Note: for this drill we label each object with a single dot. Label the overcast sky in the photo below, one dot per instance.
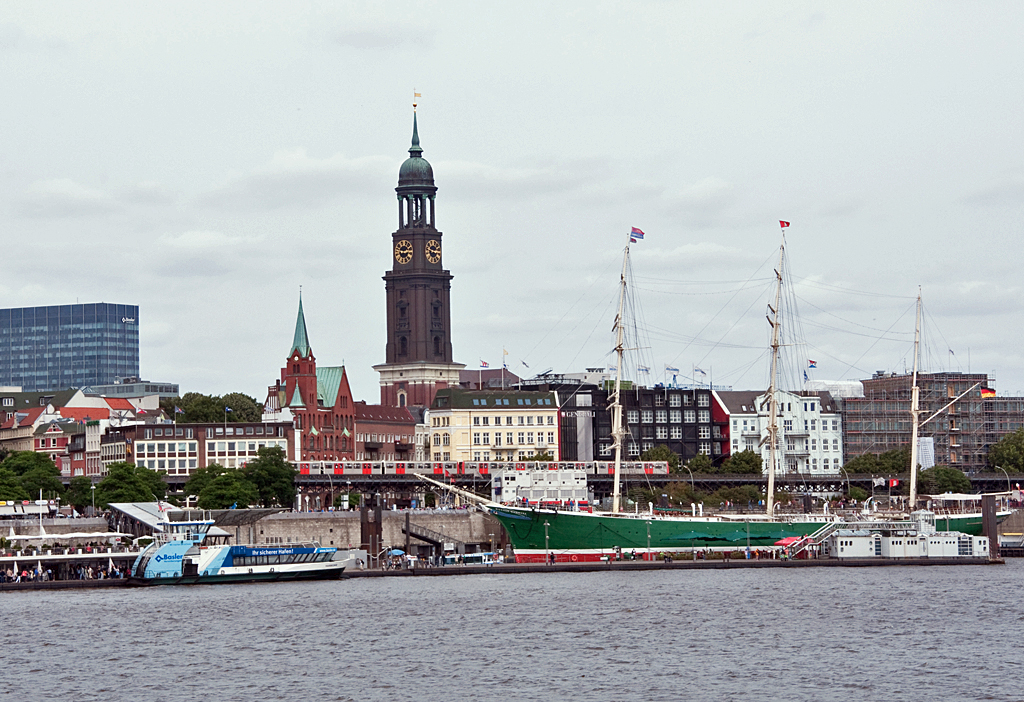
(204, 160)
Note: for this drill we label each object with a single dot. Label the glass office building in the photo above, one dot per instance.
(68, 346)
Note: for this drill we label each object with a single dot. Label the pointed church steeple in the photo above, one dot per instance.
(415, 149)
(300, 342)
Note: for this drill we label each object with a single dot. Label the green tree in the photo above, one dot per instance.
(243, 407)
(228, 489)
(894, 462)
(858, 494)
(79, 493)
(940, 479)
(127, 482)
(202, 477)
(272, 476)
(701, 464)
(197, 407)
(661, 452)
(10, 485)
(1008, 452)
(21, 462)
(744, 462)
(45, 478)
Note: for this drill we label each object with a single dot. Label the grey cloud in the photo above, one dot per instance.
(62, 197)
(293, 179)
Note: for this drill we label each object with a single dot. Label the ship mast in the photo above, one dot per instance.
(915, 409)
(773, 405)
(616, 406)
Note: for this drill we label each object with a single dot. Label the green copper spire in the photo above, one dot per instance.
(301, 341)
(415, 149)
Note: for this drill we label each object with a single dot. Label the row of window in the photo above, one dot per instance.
(187, 432)
(484, 438)
(522, 421)
(633, 448)
(503, 402)
(668, 416)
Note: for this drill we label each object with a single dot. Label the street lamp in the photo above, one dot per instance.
(847, 481)
(491, 537)
(692, 488)
(93, 488)
(547, 548)
(1007, 478)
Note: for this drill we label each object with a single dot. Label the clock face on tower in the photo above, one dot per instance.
(433, 251)
(403, 251)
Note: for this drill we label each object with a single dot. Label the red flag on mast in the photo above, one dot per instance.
(783, 224)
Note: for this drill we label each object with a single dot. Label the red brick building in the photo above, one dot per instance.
(320, 402)
(384, 433)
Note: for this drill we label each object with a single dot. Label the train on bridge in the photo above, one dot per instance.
(471, 468)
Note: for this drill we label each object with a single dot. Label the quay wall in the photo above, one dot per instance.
(342, 529)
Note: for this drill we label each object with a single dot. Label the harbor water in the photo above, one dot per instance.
(887, 633)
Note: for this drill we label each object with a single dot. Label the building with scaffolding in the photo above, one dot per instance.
(959, 413)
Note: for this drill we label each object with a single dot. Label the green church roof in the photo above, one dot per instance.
(328, 381)
(296, 399)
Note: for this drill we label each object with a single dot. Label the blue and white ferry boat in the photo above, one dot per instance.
(180, 556)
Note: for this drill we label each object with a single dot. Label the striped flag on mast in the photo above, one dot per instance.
(635, 234)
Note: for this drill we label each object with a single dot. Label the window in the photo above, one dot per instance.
(661, 416)
(529, 437)
(522, 421)
(659, 401)
(437, 439)
(790, 445)
(703, 416)
(675, 416)
(703, 432)
(813, 423)
(211, 447)
(529, 420)
(674, 401)
(835, 425)
(647, 416)
(487, 421)
(522, 438)
(632, 417)
(835, 444)
(476, 420)
(604, 450)
(551, 420)
(689, 416)
(446, 440)
(703, 400)
(687, 400)
(497, 438)
(814, 444)
(787, 424)
(551, 437)
(634, 449)
(661, 432)
(675, 432)
(705, 448)
(647, 445)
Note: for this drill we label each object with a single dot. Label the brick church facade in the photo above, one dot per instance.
(319, 399)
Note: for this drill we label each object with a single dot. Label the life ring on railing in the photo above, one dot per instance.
(572, 558)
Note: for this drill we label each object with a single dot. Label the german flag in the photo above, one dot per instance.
(987, 392)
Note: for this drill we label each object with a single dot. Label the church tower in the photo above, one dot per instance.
(419, 344)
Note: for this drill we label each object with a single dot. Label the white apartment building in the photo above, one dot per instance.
(810, 429)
